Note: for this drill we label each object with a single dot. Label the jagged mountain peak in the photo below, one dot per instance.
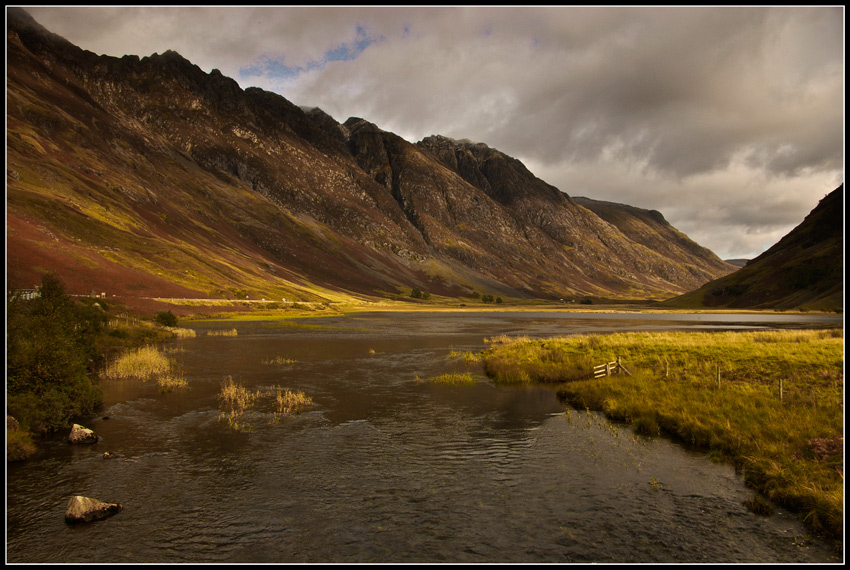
(152, 164)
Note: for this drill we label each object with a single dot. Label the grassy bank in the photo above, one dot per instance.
(769, 401)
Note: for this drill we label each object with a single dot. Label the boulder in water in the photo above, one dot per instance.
(86, 509)
(79, 434)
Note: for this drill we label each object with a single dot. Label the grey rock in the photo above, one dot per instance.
(80, 434)
(86, 509)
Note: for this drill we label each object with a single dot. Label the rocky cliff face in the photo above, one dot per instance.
(163, 180)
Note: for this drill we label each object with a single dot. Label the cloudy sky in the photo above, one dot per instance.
(728, 120)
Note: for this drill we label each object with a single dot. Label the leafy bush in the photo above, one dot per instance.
(166, 319)
(51, 349)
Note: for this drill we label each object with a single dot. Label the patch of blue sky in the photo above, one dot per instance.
(276, 68)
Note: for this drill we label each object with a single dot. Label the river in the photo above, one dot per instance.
(387, 466)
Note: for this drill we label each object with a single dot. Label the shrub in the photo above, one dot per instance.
(166, 319)
(19, 445)
(51, 349)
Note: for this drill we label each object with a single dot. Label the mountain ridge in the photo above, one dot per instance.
(154, 166)
(803, 270)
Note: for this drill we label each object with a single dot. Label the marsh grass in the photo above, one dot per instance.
(231, 332)
(719, 391)
(182, 332)
(289, 402)
(456, 378)
(148, 363)
(235, 400)
(468, 357)
(280, 360)
(143, 363)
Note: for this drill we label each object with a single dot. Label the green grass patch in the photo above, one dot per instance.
(454, 378)
(769, 401)
(468, 357)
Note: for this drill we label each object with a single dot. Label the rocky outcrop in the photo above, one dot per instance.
(86, 509)
(80, 434)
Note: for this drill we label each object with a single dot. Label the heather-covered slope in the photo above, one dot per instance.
(804, 270)
(149, 177)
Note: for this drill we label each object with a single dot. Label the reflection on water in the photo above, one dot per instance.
(387, 467)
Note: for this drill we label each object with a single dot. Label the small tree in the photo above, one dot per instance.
(416, 293)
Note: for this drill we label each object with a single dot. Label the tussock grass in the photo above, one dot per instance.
(456, 378)
(235, 400)
(148, 363)
(289, 402)
(468, 357)
(280, 360)
(231, 332)
(143, 363)
(720, 391)
(182, 332)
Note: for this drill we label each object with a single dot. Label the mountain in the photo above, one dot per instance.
(804, 270)
(147, 177)
(650, 229)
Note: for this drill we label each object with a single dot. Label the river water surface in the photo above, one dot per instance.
(387, 466)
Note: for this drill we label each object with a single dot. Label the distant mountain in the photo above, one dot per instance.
(737, 262)
(149, 177)
(804, 270)
(650, 229)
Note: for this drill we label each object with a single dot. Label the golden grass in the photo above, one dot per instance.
(182, 332)
(280, 360)
(148, 363)
(467, 356)
(289, 402)
(235, 400)
(231, 332)
(143, 363)
(456, 378)
(769, 401)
